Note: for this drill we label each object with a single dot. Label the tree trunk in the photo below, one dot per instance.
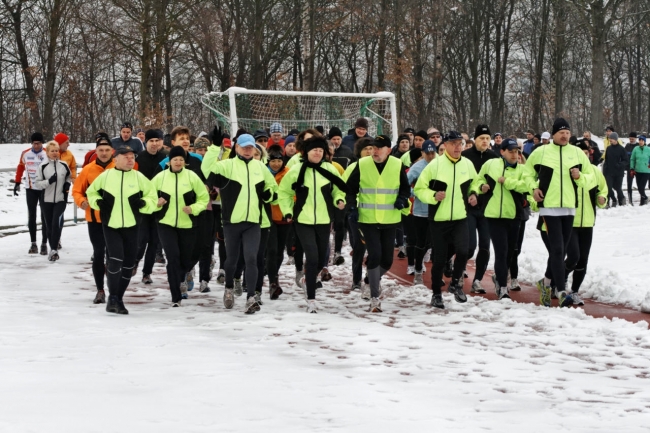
(598, 40)
(539, 67)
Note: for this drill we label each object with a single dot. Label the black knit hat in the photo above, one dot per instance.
(275, 152)
(560, 125)
(481, 130)
(37, 136)
(415, 154)
(361, 122)
(314, 143)
(422, 134)
(102, 138)
(334, 132)
(632, 134)
(177, 151)
(409, 130)
(153, 133)
(403, 137)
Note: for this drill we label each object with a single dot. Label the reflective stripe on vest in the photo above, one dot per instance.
(377, 193)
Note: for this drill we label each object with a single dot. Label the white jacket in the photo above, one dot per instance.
(58, 191)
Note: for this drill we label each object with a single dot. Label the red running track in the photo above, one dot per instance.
(528, 293)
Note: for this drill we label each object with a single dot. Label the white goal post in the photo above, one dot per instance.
(238, 107)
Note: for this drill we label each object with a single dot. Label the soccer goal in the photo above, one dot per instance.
(257, 109)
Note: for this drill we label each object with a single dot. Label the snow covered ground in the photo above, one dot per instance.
(68, 366)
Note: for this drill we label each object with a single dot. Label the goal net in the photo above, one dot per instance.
(258, 109)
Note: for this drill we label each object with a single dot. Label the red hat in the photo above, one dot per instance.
(61, 138)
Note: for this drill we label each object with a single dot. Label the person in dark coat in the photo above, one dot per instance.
(360, 131)
(614, 170)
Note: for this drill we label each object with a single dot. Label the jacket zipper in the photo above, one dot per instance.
(501, 205)
(56, 183)
(248, 191)
(314, 193)
(122, 197)
(177, 200)
(453, 193)
(561, 179)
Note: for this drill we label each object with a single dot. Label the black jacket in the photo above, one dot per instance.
(615, 160)
(478, 158)
(629, 147)
(350, 140)
(344, 152)
(149, 164)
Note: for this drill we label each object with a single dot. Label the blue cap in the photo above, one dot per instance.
(509, 144)
(428, 146)
(245, 140)
(642, 137)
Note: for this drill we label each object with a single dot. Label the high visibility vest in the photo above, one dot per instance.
(377, 193)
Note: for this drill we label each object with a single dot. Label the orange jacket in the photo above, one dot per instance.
(68, 158)
(86, 177)
(276, 213)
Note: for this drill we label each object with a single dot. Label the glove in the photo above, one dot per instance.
(632, 173)
(216, 137)
(17, 188)
(401, 203)
(354, 215)
(287, 217)
(52, 179)
(141, 204)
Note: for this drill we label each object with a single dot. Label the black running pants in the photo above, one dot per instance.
(504, 234)
(148, 241)
(52, 214)
(179, 245)
(578, 255)
(122, 248)
(96, 235)
(34, 199)
(314, 239)
(243, 235)
(476, 222)
(443, 235)
(558, 230)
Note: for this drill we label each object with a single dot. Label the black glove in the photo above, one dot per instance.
(16, 188)
(216, 136)
(287, 217)
(100, 203)
(354, 215)
(52, 179)
(141, 204)
(401, 203)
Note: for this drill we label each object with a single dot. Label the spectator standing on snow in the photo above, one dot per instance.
(444, 185)
(640, 167)
(54, 178)
(104, 161)
(583, 226)
(629, 147)
(342, 154)
(121, 195)
(614, 169)
(553, 173)
(276, 135)
(127, 140)
(27, 170)
(529, 143)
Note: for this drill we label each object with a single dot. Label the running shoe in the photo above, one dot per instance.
(410, 270)
(477, 287)
(312, 308)
(544, 293)
(228, 298)
(238, 290)
(417, 279)
(375, 306)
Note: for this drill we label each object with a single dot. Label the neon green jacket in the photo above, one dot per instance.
(121, 197)
(295, 159)
(454, 178)
(549, 169)
(588, 200)
(314, 202)
(211, 157)
(181, 189)
(503, 200)
(244, 187)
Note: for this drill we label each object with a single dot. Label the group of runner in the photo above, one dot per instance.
(260, 194)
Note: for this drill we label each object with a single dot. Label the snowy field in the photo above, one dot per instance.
(68, 366)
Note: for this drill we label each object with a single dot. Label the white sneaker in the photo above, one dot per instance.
(417, 279)
(577, 299)
(496, 284)
(410, 270)
(203, 288)
(299, 276)
(184, 289)
(477, 288)
(375, 305)
(238, 289)
(427, 256)
(365, 292)
(176, 304)
(228, 298)
(290, 261)
(503, 292)
(514, 285)
(221, 276)
(312, 307)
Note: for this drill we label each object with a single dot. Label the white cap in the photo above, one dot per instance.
(546, 135)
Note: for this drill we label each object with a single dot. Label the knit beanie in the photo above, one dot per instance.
(560, 125)
(481, 130)
(177, 151)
